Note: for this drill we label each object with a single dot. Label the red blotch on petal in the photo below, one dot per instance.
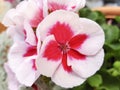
(62, 32)
(34, 64)
(37, 18)
(75, 54)
(64, 63)
(55, 6)
(32, 50)
(52, 51)
(77, 40)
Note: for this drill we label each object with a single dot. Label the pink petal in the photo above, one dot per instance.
(66, 79)
(69, 21)
(95, 37)
(49, 58)
(89, 66)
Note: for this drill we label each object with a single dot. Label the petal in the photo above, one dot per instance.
(30, 35)
(77, 40)
(35, 14)
(66, 79)
(13, 83)
(72, 5)
(95, 37)
(69, 20)
(12, 18)
(15, 55)
(29, 75)
(49, 57)
(16, 33)
(59, 30)
(89, 66)
(20, 64)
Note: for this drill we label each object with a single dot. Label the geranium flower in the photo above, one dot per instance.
(31, 10)
(22, 55)
(71, 48)
(72, 5)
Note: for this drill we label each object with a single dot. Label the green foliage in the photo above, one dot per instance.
(95, 81)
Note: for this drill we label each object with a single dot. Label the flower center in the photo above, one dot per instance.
(64, 47)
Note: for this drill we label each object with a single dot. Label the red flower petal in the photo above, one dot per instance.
(32, 50)
(62, 32)
(52, 51)
(75, 54)
(77, 40)
(64, 63)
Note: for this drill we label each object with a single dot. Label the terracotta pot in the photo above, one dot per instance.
(109, 11)
(2, 27)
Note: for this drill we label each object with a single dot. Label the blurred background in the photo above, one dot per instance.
(99, 3)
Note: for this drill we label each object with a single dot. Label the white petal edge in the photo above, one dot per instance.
(96, 37)
(65, 79)
(13, 83)
(25, 74)
(89, 66)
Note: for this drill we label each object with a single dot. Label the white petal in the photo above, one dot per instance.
(65, 79)
(95, 39)
(45, 66)
(70, 18)
(12, 18)
(25, 74)
(15, 55)
(89, 66)
(72, 5)
(30, 35)
(16, 33)
(13, 83)
(31, 10)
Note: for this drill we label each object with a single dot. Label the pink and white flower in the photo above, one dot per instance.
(22, 55)
(71, 49)
(31, 10)
(71, 5)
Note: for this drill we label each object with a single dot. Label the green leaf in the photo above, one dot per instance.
(112, 33)
(110, 82)
(116, 65)
(117, 19)
(95, 81)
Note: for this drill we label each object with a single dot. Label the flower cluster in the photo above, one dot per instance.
(50, 39)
